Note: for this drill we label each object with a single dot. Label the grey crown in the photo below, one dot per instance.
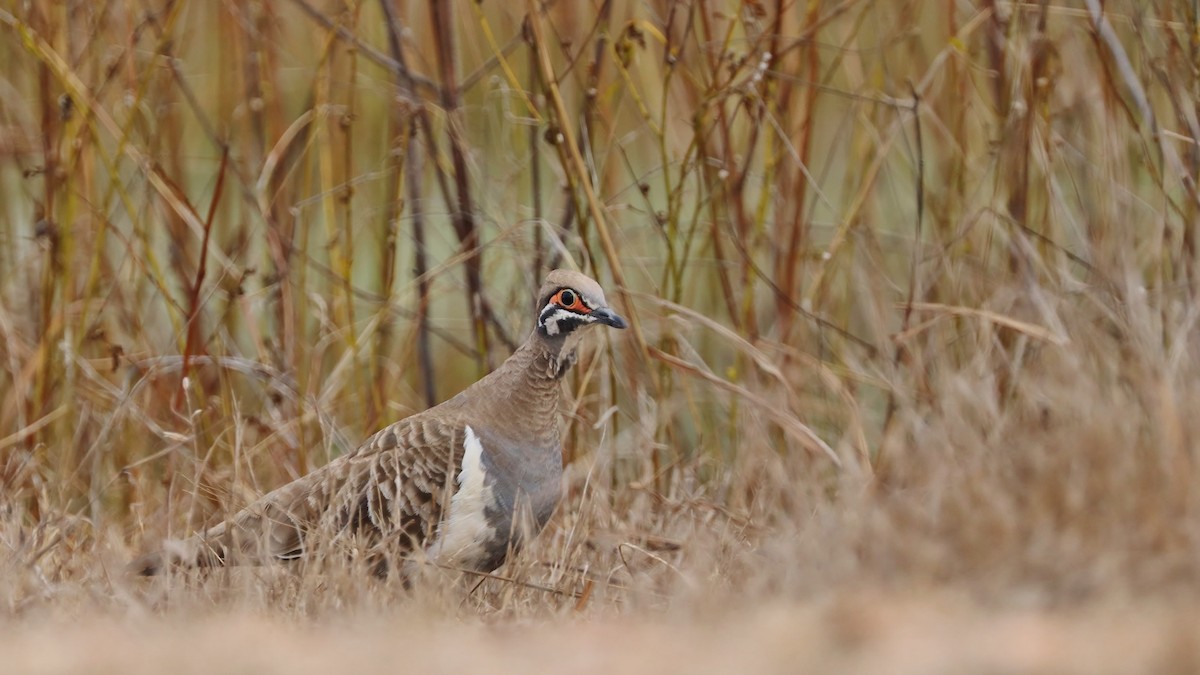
(451, 484)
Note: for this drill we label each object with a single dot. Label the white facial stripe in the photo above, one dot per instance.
(465, 531)
(551, 322)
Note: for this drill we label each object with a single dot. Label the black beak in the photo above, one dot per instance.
(608, 317)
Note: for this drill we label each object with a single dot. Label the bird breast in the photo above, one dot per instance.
(493, 507)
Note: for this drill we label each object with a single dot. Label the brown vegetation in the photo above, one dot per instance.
(912, 289)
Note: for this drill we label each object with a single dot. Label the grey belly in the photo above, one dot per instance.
(521, 506)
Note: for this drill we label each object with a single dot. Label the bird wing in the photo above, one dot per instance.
(386, 495)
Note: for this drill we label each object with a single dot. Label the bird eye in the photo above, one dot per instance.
(569, 299)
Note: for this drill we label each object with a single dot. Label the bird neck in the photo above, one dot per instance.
(540, 363)
(524, 393)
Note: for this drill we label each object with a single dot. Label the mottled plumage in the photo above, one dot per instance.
(406, 492)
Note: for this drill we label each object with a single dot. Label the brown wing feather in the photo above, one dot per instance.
(387, 494)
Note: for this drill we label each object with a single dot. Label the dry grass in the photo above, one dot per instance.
(913, 289)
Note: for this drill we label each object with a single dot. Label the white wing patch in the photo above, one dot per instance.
(463, 535)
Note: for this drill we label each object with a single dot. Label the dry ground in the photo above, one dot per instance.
(861, 633)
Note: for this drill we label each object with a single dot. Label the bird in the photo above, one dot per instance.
(459, 485)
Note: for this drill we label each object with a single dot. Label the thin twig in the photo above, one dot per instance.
(914, 277)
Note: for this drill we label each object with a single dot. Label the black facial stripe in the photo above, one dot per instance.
(556, 321)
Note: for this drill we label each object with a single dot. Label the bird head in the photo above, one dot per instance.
(570, 304)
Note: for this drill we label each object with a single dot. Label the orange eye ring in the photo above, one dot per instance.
(569, 299)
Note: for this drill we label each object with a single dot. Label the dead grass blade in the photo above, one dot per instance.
(1025, 328)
